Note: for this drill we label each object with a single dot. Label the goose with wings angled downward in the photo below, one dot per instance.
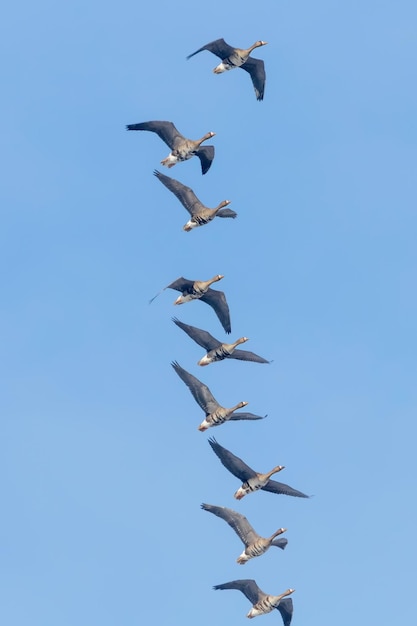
(238, 57)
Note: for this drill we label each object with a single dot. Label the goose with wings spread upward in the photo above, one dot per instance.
(251, 480)
(216, 350)
(182, 149)
(255, 545)
(262, 603)
(200, 214)
(237, 57)
(215, 413)
(200, 290)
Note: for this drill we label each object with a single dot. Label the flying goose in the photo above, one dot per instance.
(255, 545)
(182, 149)
(236, 57)
(252, 481)
(262, 603)
(215, 414)
(200, 214)
(200, 290)
(217, 351)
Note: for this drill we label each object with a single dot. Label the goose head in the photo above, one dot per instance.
(278, 532)
(222, 204)
(258, 44)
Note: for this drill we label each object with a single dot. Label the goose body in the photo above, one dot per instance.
(255, 545)
(262, 603)
(200, 214)
(215, 414)
(182, 148)
(251, 480)
(217, 351)
(200, 290)
(238, 57)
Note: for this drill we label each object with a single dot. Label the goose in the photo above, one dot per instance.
(255, 545)
(236, 57)
(262, 603)
(217, 351)
(200, 214)
(200, 290)
(215, 413)
(252, 481)
(182, 149)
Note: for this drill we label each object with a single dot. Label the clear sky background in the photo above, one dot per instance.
(102, 468)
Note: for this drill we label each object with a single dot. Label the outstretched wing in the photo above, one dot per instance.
(201, 393)
(233, 463)
(245, 416)
(181, 284)
(202, 337)
(246, 355)
(217, 300)
(273, 486)
(206, 156)
(166, 131)
(246, 586)
(226, 213)
(280, 543)
(256, 69)
(219, 47)
(184, 194)
(285, 607)
(237, 521)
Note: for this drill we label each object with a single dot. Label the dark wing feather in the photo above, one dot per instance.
(246, 355)
(256, 69)
(273, 486)
(245, 416)
(219, 47)
(231, 462)
(206, 156)
(246, 586)
(237, 521)
(184, 194)
(201, 393)
(280, 543)
(166, 131)
(202, 337)
(181, 284)
(226, 213)
(285, 607)
(217, 300)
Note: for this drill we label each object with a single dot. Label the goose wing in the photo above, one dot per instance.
(226, 213)
(201, 393)
(245, 416)
(280, 543)
(237, 521)
(273, 486)
(206, 156)
(182, 284)
(184, 194)
(246, 355)
(231, 462)
(202, 337)
(256, 69)
(286, 608)
(246, 586)
(166, 131)
(217, 300)
(219, 47)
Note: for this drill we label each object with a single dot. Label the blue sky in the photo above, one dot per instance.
(103, 467)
